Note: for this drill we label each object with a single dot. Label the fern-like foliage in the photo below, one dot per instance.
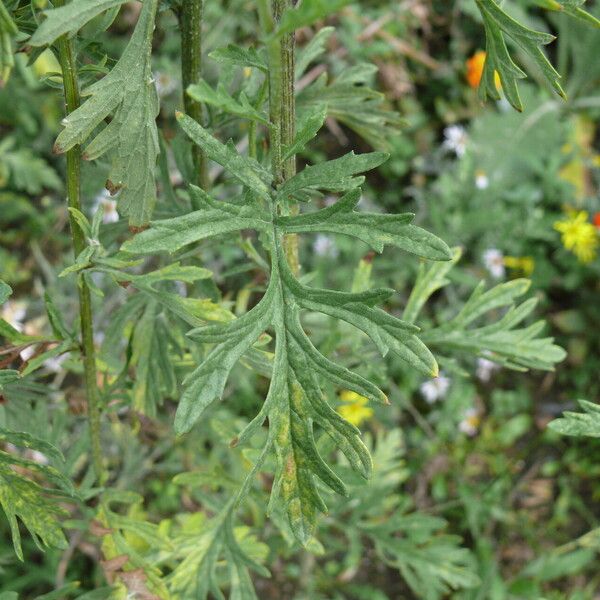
(69, 19)
(573, 8)
(201, 546)
(127, 95)
(295, 402)
(582, 424)
(502, 341)
(497, 25)
(22, 497)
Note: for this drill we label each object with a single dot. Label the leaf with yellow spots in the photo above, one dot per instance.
(295, 403)
(23, 498)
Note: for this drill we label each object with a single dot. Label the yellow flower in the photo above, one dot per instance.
(524, 264)
(355, 410)
(580, 147)
(579, 235)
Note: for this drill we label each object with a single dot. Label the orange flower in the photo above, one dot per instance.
(597, 220)
(475, 66)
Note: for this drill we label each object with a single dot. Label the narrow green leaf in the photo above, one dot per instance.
(216, 218)
(221, 99)
(24, 499)
(129, 94)
(307, 13)
(431, 278)
(69, 19)
(377, 230)
(333, 175)
(586, 423)
(497, 24)
(249, 172)
(244, 57)
(5, 292)
(307, 131)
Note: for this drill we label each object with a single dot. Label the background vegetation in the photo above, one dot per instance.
(473, 495)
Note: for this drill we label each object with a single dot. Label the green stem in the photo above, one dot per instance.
(73, 101)
(282, 107)
(190, 22)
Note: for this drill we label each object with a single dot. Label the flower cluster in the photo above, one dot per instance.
(435, 389)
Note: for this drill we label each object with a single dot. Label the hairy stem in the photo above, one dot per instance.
(72, 102)
(190, 22)
(282, 105)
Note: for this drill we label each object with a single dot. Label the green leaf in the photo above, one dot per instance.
(57, 323)
(586, 423)
(244, 57)
(8, 31)
(5, 292)
(207, 382)
(8, 376)
(307, 13)
(377, 230)
(134, 540)
(333, 175)
(518, 348)
(24, 499)
(129, 94)
(498, 24)
(294, 402)
(69, 19)
(351, 101)
(430, 279)
(311, 51)
(220, 98)
(28, 172)
(307, 131)
(215, 218)
(249, 172)
(432, 563)
(571, 8)
(203, 544)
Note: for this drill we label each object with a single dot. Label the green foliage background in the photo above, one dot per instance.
(206, 333)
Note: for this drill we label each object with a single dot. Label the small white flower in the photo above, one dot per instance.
(435, 389)
(175, 177)
(13, 312)
(109, 206)
(486, 368)
(493, 260)
(482, 181)
(36, 456)
(470, 422)
(27, 353)
(324, 245)
(165, 83)
(54, 364)
(456, 139)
